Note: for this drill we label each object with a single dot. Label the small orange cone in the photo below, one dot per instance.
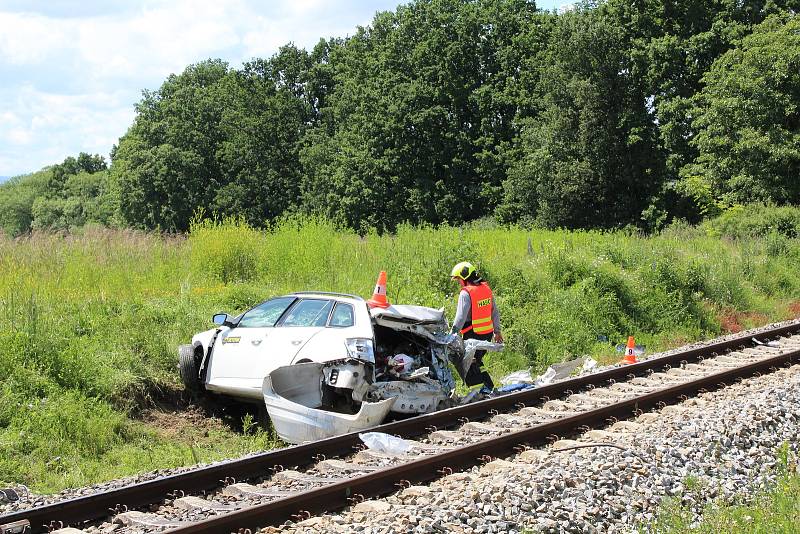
(630, 357)
(379, 299)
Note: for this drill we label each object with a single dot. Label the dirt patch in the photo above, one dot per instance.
(730, 323)
(184, 425)
(734, 322)
(794, 309)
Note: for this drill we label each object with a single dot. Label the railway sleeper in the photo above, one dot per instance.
(559, 406)
(142, 519)
(484, 428)
(449, 436)
(602, 397)
(533, 411)
(192, 503)
(369, 457)
(602, 435)
(612, 394)
(514, 419)
(630, 426)
(737, 359)
(637, 388)
(566, 444)
(710, 365)
(290, 475)
(244, 490)
(664, 376)
(532, 455)
(341, 466)
(693, 370)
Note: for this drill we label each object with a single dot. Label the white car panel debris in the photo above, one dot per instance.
(293, 395)
(325, 363)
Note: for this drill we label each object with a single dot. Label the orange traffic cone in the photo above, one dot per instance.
(630, 356)
(379, 299)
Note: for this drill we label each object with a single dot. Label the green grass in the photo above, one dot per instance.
(92, 320)
(772, 511)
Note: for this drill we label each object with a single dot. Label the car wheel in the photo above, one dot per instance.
(188, 367)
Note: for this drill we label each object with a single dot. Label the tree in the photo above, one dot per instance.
(16, 201)
(591, 158)
(673, 44)
(747, 119)
(166, 165)
(217, 140)
(421, 109)
(262, 130)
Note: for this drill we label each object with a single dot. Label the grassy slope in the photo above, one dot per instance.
(92, 320)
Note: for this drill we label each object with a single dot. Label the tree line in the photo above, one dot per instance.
(445, 111)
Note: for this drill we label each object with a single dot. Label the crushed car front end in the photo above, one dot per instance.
(401, 369)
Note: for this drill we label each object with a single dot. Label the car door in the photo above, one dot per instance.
(238, 361)
(266, 337)
(305, 319)
(331, 343)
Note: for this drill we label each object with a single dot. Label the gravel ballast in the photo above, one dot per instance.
(723, 445)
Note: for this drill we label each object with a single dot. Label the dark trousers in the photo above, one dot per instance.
(475, 375)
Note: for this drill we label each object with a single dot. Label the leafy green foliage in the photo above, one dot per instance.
(422, 105)
(590, 159)
(610, 115)
(61, 197)
(743, 222)
(165, 166)
(747, 117)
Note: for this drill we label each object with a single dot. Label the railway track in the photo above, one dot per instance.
(296, 482)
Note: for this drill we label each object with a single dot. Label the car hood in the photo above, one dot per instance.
(409, 314)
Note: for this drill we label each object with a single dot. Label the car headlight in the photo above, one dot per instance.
(361, 349)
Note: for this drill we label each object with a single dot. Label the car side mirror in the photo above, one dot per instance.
(221, 319)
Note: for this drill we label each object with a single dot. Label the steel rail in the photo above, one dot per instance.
(80, 510)
(342, 494)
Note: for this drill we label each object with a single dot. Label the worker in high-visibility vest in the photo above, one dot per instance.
(476, 317)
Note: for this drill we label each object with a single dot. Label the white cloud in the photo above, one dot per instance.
(29, 38)
(43, 128)
(70, 73)
(566, 8)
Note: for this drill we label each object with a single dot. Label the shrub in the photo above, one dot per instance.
(228, 249)
(756, 220)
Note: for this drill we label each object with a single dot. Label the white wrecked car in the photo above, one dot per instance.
(326, 363)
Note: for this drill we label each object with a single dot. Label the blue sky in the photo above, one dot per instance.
(70, 71)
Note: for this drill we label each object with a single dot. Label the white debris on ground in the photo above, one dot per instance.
(719, 446)
(386, 443)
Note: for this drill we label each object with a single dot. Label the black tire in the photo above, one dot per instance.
(187, 364)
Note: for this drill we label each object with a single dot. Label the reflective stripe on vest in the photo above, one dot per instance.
(480, 297)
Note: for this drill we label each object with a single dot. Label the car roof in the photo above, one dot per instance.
(327, 294)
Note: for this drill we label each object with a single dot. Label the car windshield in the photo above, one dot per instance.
(265, 314)
(308, 312)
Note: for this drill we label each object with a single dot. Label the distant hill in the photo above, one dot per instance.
(4, 178)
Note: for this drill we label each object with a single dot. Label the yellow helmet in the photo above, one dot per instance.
(462, 270)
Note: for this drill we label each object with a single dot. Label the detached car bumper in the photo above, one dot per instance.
(293, 397)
